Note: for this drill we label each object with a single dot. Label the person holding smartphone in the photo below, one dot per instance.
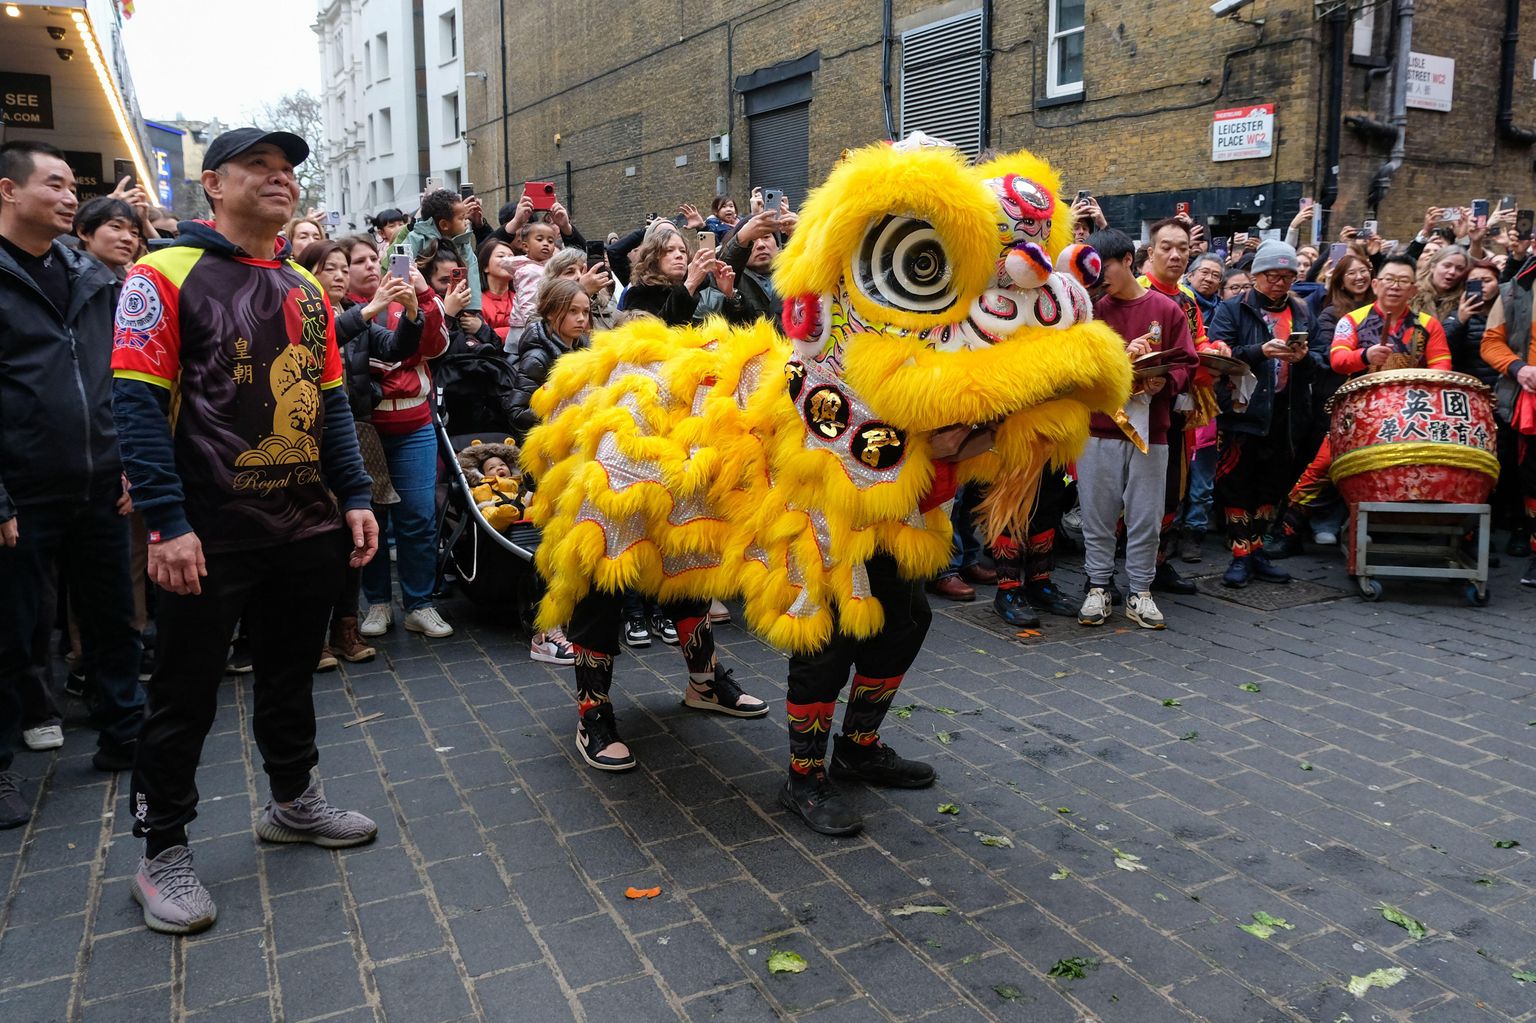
(444, 223)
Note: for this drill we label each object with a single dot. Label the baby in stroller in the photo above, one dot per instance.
(495, 482)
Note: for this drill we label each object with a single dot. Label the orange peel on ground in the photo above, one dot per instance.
(641, 893)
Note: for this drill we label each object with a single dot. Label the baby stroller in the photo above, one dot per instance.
(474, 390)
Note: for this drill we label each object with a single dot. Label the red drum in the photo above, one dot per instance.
(1413, 435)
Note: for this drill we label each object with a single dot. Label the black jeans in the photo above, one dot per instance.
(283, 595)
(89, 542)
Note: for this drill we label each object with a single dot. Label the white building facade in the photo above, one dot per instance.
(392, 77)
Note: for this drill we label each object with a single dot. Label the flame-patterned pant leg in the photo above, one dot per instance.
(594, 633)
(695, 637)
(1253, 477)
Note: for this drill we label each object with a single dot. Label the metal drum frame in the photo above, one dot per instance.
(1400, 542)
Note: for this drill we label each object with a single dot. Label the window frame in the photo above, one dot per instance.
(1054, 87)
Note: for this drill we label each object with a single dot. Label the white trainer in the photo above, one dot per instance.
(1142, 610)
(719, 614)
(378, 620)
(428, 622)
(1095, 609)
(43, 737)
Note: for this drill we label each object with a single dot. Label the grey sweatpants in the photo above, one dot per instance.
(1113, 478)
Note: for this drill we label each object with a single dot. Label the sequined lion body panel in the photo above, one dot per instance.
(714, 461)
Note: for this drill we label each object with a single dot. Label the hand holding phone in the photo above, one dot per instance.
(1367, 230)
(1337, 251)
(400, 263)
(541, 194)
(772, 197)
(1181, 209)
(466, 190)
(457, 275)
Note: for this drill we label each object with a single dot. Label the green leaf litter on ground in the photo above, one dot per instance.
(1160, 897)
(786, 962)
(968, 960)
(1063, 809)
(1061, 874)
(1358, 986)
(1172, 703)
(1257, 930)
(1125, 861)
(933, 944)
(905, 712)
(1486, 882)
(1524, 976)
(911, 910)
(1250, 687)
(1007, 992)
(946, 710)
(995, 841)
(1075, 968)
(1306, 766)
(1264, 925)
(944, 737)
(1187, 736)
(1415, 929)
(948, 808)
(1505, 843)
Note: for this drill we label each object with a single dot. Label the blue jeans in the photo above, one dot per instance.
(412, 459)
(1202, 488)
(88, 540)
(962, 519)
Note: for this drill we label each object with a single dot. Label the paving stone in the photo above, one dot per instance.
(590, 951)
(319, 981)
(308, 918)
(467, 884)
(380, 873)
(427, 989)
(45, 894)
(894, 978)
(691, 958)
(36, 952)
(252, 1010)
(639, 1000)
(399, 927)
(150, 1006)
(126, 962)
(493, 939)
(744, 1004)
(225, 970)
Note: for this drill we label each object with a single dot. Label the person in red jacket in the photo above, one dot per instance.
(403, 419)
(1386, 334)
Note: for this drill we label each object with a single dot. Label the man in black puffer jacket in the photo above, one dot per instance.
(61, 483)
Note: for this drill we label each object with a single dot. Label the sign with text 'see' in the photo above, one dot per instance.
(27, 100)
(1431, 81)
(1243, 133)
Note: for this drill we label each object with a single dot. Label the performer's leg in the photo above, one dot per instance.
(880, 663)
(815, 679)
(710, 687)
(1040, 549)
(594, 637)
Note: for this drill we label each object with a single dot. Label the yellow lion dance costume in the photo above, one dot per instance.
(920, 292)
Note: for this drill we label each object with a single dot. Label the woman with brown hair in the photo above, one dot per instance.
(666, 283)
(495, 258)
(1440, 287)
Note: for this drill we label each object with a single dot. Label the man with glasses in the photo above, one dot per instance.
(1385, 334)
(1236, 284)
(1263, 445)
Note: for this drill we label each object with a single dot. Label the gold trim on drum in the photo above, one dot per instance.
(1404, 376)
(1393, 456)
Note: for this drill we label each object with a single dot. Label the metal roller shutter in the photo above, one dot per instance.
(941, 81)
(779, 150)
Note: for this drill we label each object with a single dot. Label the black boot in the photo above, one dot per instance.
(1169, 581)
(878, 764)
(1283, 545)
(1266, 571)
(1043, 595)
(816, 801)
(1189, 546)
(1012, 608)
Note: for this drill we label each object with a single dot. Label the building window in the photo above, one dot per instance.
(779, 150)
(1064, 64)
(389, 191)
(368, 61)
(452, 128)
(385, 142)
(381, 55)
(448, 36)
(372, 138)
(941, 81)
(451, 179)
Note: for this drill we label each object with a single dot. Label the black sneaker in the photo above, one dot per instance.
(14, 809)
(817, 802)
(636, 634)
(724, 695)
(1529, 579)
(878, 764)
(1043, 595)
(1012, 608)
(595, 733)
(662, 627)
(1266, 571)
(239, 662)
(74, 685)
(1168, 580)
(1283, 546)
(114, 758)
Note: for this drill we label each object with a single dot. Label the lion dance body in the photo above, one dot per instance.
(920, 292)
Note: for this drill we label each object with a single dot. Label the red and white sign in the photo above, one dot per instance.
(1431, 81)
(1243, 133)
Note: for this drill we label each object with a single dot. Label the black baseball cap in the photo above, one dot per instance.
(237, 140)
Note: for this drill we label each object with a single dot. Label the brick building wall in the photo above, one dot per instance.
(631, 88)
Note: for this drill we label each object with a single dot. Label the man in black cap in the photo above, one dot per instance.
(237, 490)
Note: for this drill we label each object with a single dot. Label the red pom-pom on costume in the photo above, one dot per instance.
(802, 317)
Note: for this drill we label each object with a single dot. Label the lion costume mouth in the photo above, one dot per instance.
(923, 293)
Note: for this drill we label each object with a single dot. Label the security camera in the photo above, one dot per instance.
(56, 33)
(65, 53)
(1222, 8)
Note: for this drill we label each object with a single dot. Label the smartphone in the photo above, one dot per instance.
(1297, 340)
(1239, 239)
(771, 198)
(430, 186)
(1306, 202)
(400, 262)
(1449, 214)
(457, 275)
(1480, 212)
(1525, 222)
(541, 193)
(124, 169)
(1368, 230)
(1507, 203)
(1181, 209)
(597, 253)
(466, 190)
(333, 218)
(707, 240)
(1337, 251)
(1083, 193)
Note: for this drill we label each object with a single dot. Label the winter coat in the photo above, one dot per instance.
(363, 342)
(537, 351)
(57, 438)
(425, 232)
(1240, 323)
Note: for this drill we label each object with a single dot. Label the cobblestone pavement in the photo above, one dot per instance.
(1312, 763)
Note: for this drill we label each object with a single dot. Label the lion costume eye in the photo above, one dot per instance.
(902, 263)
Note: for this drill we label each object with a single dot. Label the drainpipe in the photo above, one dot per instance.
(1382, 182)
(885, 67)
(1506, 119)
(1338, 28)
(986, 74)
(506, 146)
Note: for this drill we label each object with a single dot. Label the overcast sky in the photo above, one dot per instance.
(265, 49)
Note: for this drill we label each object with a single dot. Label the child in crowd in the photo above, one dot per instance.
(495, 482)
(466, 328)
(535, 243)
(444, 226)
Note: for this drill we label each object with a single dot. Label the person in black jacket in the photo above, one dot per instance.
(61, 482)
(363, 341)
(564, 312)
(666, 281)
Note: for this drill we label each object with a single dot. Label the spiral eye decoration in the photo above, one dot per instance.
(902, 263)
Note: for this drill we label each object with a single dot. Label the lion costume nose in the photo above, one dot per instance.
(1027, 266)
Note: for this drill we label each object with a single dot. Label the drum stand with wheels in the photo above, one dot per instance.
(1398, 539)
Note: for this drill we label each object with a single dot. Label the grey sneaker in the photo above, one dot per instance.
(311, 819)
(174, 900)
